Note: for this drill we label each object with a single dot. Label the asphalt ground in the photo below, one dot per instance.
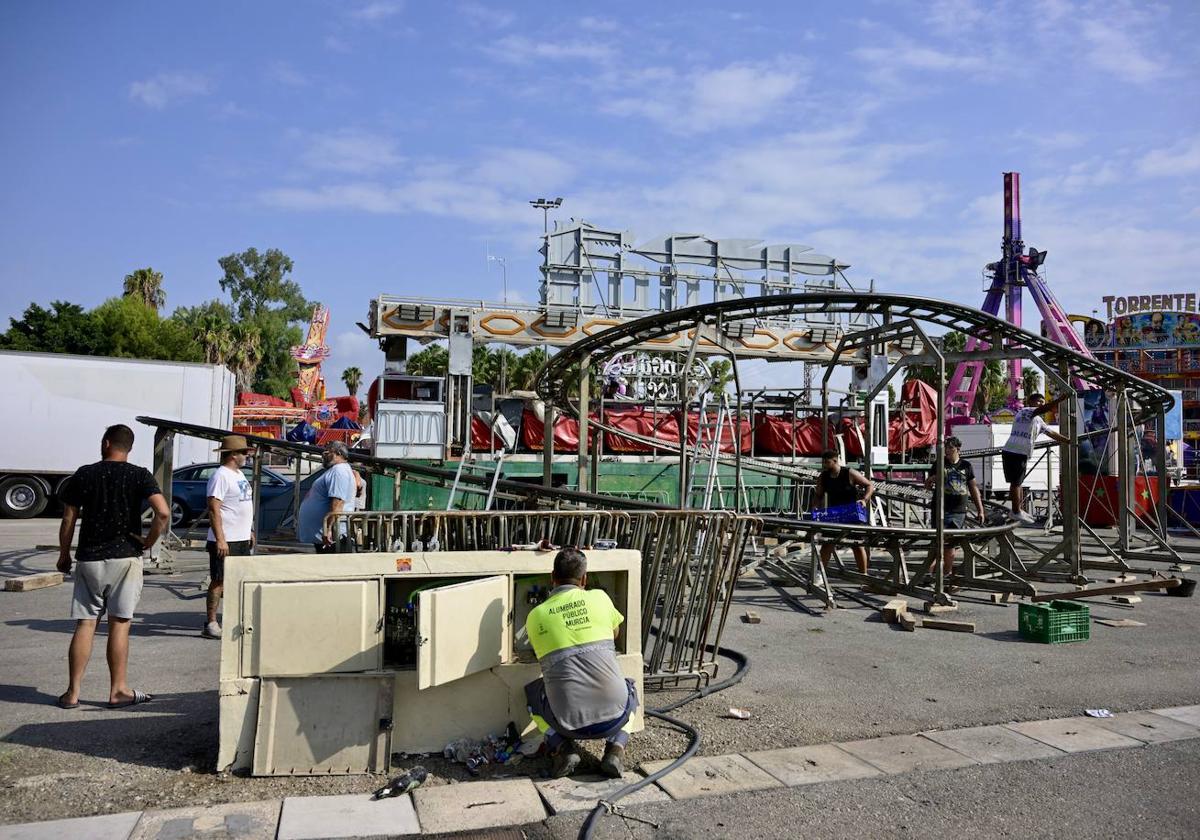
(815, 677)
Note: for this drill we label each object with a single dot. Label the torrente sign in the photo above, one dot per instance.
(1119, 305)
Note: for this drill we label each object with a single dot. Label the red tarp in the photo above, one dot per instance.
(727, 432)
(916, 419)
(773, 435)
(479, 437)
(639, 421)
(533, 430)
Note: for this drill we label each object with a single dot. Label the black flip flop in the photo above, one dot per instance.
(64, 705)
(138, 698)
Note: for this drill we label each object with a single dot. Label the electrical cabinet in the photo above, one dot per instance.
(331, 662)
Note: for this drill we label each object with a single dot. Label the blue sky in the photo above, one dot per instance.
(385, 145)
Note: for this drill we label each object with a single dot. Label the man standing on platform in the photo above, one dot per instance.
(1026, 427)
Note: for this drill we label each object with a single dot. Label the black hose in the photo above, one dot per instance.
(743, 668)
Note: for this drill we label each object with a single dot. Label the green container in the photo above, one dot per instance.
(1055, 623)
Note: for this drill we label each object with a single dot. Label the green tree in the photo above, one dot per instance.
(266, 299)
(434, 360)
(722, 375)
(146, 285)
(211, 326)
(246, 353)
(133, 330)
(352, 377)
(523, 377)
(63, 328)
(954, 342)
(1031, 381)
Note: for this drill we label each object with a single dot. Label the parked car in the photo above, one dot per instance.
(189, 484)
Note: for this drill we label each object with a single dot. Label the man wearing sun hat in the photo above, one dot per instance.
(231, 521)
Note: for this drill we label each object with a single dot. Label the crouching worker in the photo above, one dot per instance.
(582, 694)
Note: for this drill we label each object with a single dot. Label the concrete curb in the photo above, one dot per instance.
(497, 804)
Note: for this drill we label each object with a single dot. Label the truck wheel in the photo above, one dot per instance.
(22, 497)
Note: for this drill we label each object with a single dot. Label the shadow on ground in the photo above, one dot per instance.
(172, 731)
(151, 624)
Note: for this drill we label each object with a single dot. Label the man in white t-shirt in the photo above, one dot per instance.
(231, 517)
(1027, 426)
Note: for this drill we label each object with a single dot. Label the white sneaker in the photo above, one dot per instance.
(1022, 516)
(212, 630)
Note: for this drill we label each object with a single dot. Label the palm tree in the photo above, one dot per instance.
(146, 285)
(352, 376)
(1031, 382)
(245, 355)
(523, 375)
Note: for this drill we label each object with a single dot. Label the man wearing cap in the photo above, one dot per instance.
(1026, 427)
(231, 522)
(332, 492)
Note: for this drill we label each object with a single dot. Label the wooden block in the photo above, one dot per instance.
(908, 621)
(28, 583)
(751, 617)
(1120, 622)
(937, 609)
(998, 597)
(1123, 579)
(893, 608)
(1128, 600)
(947, 624)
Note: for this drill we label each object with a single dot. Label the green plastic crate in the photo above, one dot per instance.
(1055, 623)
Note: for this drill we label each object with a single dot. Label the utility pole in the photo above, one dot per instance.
(546, 205)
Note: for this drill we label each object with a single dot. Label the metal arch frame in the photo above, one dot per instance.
(1060, 364)
(553, 380)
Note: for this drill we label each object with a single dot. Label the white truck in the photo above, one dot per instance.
(59, 406)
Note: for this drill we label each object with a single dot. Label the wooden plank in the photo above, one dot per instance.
(947, 624)
(751, 617)
(931, 608)
(1127, 600)
(27, 583)
(1146, 585)
(893, 608)
(1119, 622)
(908, 621)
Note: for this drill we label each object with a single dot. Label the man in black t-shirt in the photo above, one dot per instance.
(959, 486)
(109, 496)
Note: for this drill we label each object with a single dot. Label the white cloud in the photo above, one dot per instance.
(351, 151)
(904, 54)
(1112, 46)
(161, 90)
(597, 24)
(518, 49)
(1183, 158)
(483, 16)
(285, 73)
(351, 348)
(377, 11)
(737, 94)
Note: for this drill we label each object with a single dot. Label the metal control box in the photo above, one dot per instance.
(329, 663)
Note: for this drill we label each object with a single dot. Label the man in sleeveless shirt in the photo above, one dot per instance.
(582, 694)
(839, 485)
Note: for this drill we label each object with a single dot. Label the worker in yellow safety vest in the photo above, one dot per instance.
(582, 694)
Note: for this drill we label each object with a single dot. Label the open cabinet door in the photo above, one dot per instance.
(462, 629)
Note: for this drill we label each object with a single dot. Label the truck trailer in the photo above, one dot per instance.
(61, 405)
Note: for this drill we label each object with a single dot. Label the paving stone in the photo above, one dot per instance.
(232, 821)
(103, 827)
(352, 815)
(581, 793)
(993, 744)
(712, 776)
(808, 765)
(906, 753)
(476, 805)
(1073, 734)
(1187, 714)
(1148, 726)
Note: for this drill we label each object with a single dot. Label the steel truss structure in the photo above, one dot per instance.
(901, 340)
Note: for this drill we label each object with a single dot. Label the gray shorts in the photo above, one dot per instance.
(112, 584)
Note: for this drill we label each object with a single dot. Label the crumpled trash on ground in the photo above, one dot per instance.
(403, 783)
(737, 714)
(1098, 713)
(493, 749)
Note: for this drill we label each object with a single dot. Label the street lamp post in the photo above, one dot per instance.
(503, 350)
(546, 205)
(503, 272)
